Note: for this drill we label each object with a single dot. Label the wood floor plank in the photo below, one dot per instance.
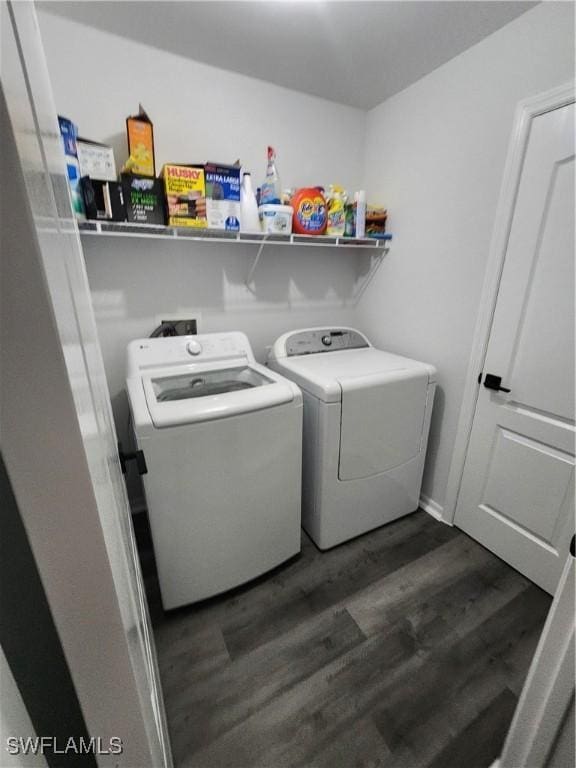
(386, 651)
(200, 712)
(309, 715)
(288, 583)
(188, 656)
(457, 678)
(295, 726)
(340, 574)
(359, 746)
(376, 606)
(486, 732)
(242, 696)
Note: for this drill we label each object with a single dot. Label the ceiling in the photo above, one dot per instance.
(352, 52)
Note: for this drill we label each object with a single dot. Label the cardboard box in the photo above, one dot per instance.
(144, 199)
(185, 195)
(69, 134)
(96, 160)
(103, 199)
(140, 145)
(222, 196)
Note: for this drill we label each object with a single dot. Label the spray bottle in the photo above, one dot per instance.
(271, 191)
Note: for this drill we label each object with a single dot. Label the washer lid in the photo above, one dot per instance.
(327, 375)
(176, 396)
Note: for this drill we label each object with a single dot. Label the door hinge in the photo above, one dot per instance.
(137, 456)
(493, 382)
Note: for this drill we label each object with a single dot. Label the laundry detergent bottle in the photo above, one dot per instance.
(309, 206)
(336, 215)
(271, 191)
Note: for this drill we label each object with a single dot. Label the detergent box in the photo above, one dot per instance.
(69, 134)
(222, 196)
(144, 198)
(140, 145)
(96, 160)
(103, 199)
(185, 192)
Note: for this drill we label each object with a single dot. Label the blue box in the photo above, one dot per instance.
(69, 134)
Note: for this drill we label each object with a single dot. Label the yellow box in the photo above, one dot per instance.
(185, 191)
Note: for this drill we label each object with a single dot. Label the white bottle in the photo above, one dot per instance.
(249, 219)
(360, 198)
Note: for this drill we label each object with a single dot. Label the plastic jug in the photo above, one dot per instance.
(249, 219)
(309, 206)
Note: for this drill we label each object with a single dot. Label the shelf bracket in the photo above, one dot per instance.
(254, 265)
(376, 262)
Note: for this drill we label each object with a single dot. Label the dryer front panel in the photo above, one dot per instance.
(382, 425)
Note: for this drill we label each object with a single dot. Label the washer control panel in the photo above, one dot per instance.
(187, 350)
(324, 340)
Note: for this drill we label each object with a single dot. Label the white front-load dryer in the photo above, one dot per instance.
(366, 422)
(222, 439)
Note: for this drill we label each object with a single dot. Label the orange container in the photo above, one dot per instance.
(309, 206)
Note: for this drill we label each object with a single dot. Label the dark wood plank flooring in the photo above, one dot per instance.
(406, 647)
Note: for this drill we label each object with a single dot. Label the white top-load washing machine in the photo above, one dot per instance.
(366, 422)
(222, 439)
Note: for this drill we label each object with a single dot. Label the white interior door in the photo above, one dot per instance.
(542, 730)
(53, 232)
(517, 491)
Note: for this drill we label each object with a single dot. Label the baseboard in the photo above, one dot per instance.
(433, 508)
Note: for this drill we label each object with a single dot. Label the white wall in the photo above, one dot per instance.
(199, 112)
(202, 113)
(435, 155)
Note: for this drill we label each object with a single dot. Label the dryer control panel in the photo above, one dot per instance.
(317, 340)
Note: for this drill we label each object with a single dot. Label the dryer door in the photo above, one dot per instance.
(382, 421)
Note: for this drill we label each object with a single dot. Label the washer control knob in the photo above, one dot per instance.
(193, 347)
(327, 341)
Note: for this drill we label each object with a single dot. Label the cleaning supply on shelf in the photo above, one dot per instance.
(376, 221)
(276, 219)
(140, 133)
(270, 191)
(222, 196)
(144, 199)
(103, 200)
(350, 219)
(96, 160)
(360, 200)
(335, 213)
(309, 206)
(249, 219)
(185, 192)
(69, 134)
